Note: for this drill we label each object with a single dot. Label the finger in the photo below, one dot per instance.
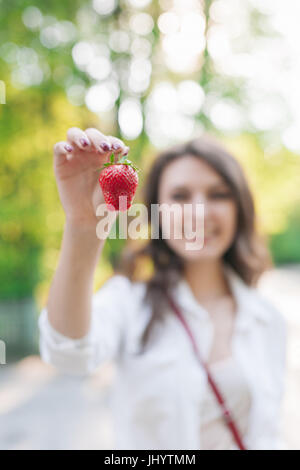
(118, 145)
(62, 151)
(79, 138)
(99, 141)
(126, 150)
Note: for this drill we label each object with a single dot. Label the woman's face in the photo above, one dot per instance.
(192, 182)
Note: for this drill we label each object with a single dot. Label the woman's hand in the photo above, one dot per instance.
(76, 167)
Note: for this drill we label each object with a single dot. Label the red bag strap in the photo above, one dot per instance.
(226, 413)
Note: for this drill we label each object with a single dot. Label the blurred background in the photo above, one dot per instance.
(151, 73)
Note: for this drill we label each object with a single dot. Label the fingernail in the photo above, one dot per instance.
(126, 151)
(105, 146)
(84, 142)
(116, 146)
(68, 148)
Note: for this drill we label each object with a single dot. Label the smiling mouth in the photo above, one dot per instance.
(207, 237)
(210, 236)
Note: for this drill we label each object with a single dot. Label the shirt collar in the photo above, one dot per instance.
(249, 301)
(249, 305)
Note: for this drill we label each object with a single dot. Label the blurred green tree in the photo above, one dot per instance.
(82, 63)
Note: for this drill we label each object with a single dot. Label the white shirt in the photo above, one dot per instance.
(235, 389)
(157, 397)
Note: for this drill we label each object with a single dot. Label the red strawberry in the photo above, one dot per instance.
(118, 179)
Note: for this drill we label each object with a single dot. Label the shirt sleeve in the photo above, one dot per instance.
(280, 340)
(109, 317)
(273, 438)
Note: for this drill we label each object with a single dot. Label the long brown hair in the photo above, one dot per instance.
(248, 254)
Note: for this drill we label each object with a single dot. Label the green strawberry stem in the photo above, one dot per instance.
(123, 161)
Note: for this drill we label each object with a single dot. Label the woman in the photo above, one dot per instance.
(162, 398)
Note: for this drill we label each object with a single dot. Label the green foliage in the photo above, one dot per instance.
(35, 117)
(285, 245)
